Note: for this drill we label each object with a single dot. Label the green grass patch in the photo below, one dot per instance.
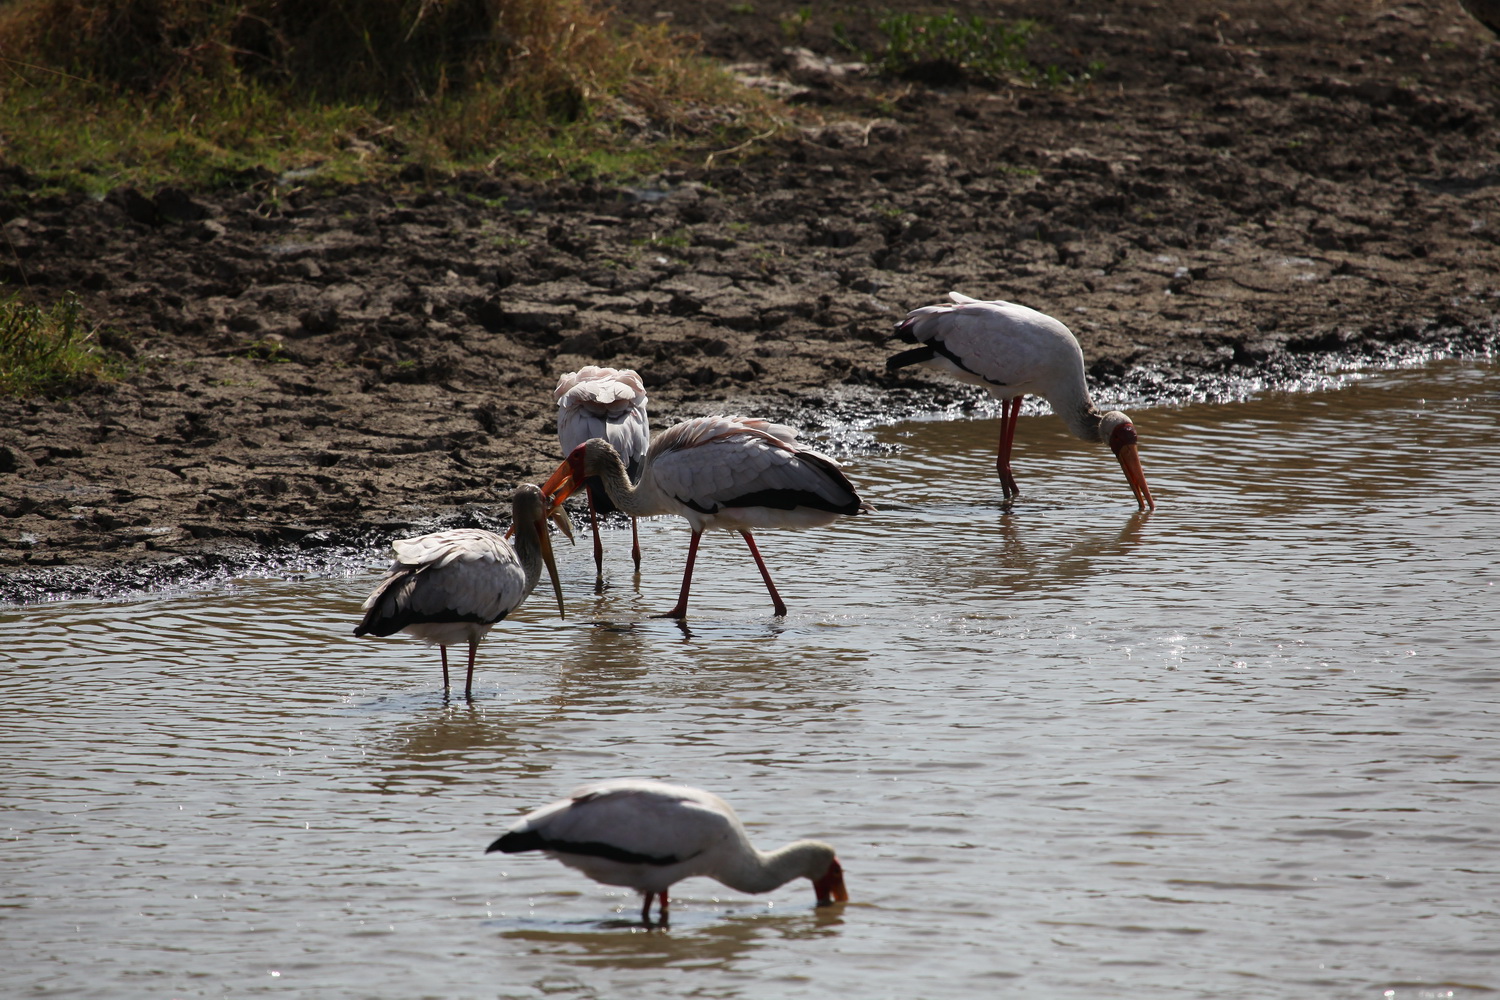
(49, 350)
(273, 351)
(203, 93)
(946, 48)
(677, 239)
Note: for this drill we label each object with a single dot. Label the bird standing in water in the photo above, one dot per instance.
(453, 586)
(1012, 350)
(649, 835)
(607, 403)
(732, 473)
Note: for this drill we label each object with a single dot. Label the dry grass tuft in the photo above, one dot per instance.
(197, 91)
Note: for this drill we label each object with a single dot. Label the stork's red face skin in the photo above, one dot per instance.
(830, 888)
(1123, 435)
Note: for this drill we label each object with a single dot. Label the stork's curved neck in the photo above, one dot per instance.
(529, 553)
(1072, 403)
(755, 871)
(602, 460)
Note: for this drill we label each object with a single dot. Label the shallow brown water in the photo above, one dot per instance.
(1243, 746)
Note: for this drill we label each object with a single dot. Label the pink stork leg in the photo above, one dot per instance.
(598, 543)
(765, 574)
(469, 681)
(679, 610)
(661, 898)
(1010, 412)
(635, 546)
(443, 652)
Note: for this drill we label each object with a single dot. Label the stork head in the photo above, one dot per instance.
(1116, 429)
(830, 885)
(531, 513)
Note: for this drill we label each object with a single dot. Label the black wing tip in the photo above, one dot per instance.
(382, 626)
(905, 332)
(516, 842)
(915, 356)
(520, 841)
(374, 624)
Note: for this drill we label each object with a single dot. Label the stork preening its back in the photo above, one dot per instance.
(1012, 350)
(453, 586)
(649, 835)
(607, 403)
(732, 473)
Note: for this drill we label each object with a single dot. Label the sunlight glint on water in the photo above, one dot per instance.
(1242, 746)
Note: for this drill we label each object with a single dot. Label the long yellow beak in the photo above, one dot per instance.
(1130, 461)
(559, 517)
(561, 484)
(545, 538)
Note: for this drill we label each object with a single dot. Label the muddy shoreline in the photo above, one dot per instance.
(1245, 198)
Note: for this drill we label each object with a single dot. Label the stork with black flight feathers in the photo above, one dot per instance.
(1012, 350)
(649, 835)
(453, 586)
(731, 473)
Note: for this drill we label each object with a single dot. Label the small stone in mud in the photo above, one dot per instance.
(319, 319)
(15, 460)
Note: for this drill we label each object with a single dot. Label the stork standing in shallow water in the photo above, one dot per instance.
(453, 586)
(607, 403)
(732, 473)
(649, 835)
(1011, 350)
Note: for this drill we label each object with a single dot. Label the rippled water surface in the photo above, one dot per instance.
(1245, 746)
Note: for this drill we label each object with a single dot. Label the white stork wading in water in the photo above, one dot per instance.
(1011, 351)
(606, 403)
(731, 473)
(649, 835)
(453, 586)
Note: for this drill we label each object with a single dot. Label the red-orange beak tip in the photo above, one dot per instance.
(1130, 463)
(830, 888)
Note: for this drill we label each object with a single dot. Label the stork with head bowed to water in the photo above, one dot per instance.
(453, 586)
(732, 473)
(1011, 351)
(649, 835)
(607, 403)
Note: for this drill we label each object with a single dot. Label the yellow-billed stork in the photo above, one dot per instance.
(1012, 350)
(649, 835)
(731, 473)
(607, 403)
(453, 586)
